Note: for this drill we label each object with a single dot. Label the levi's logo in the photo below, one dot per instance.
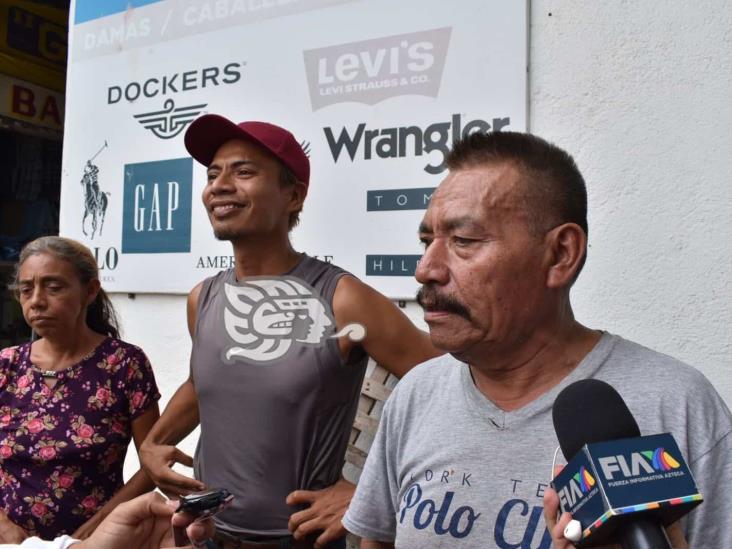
(638, 463)
(370, 71)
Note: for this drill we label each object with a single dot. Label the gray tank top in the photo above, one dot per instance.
(275, 399)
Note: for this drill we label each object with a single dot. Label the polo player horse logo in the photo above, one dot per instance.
(95, 200)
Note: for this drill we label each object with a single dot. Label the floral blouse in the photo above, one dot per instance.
(62, 449)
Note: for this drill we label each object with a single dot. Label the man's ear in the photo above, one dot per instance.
(298, 192)
(567, 245)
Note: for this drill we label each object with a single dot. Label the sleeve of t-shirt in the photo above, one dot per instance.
(708, 425)
(372, 512)
(7, 356)
(708, 525)
(141, 389)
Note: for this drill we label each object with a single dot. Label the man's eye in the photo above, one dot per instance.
(211, 176)
(462, 241)
(425, 242)
(54, 288)
(26, 291)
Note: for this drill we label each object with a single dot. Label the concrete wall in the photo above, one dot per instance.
(639, 93)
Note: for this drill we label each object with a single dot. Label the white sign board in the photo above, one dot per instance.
(376, 91)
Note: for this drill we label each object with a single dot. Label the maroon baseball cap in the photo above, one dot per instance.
(208, 132)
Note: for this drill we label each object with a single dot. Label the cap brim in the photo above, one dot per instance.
(207, 133)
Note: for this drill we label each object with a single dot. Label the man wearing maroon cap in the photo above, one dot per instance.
(273, 382)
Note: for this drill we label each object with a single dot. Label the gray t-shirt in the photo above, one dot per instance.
(448, 468)
(276, 401)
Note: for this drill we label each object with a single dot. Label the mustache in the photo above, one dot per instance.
(431, 300)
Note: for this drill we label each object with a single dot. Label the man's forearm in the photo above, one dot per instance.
(179, 418)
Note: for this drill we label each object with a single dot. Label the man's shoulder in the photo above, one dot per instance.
(214, 279)
(644, 376)
(313, 263)
(315, 260)
(439, 374)
(221, 275)
(664, 393)
(640, 365)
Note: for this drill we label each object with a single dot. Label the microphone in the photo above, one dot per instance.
(618, 485)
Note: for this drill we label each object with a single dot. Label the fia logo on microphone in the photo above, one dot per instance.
(578, 486)
(638, 463)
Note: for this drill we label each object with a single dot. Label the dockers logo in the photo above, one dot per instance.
(170, 121)
(264, 317)
(371, 71)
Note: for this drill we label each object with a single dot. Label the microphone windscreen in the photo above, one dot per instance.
(589, 411)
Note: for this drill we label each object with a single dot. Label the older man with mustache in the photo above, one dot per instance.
(463, 452)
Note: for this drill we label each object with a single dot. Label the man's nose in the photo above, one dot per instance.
(432, 267)
(222, 183)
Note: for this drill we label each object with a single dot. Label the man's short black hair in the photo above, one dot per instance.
(288, 179)
(551, 173)
(555, 188)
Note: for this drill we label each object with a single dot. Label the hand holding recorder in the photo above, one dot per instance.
(199, 506)
(145, 523)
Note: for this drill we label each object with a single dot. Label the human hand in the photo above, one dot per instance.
(158, 460)
(325, 511)
(556, 527)
(145, 523)
(87, 529)
(9, 531)
(198, 532)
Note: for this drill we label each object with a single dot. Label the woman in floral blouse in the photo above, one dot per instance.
(69, 402)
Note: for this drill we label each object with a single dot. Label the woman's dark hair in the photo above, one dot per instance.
(100, 315)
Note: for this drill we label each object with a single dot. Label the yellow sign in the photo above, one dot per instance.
(33, 42)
